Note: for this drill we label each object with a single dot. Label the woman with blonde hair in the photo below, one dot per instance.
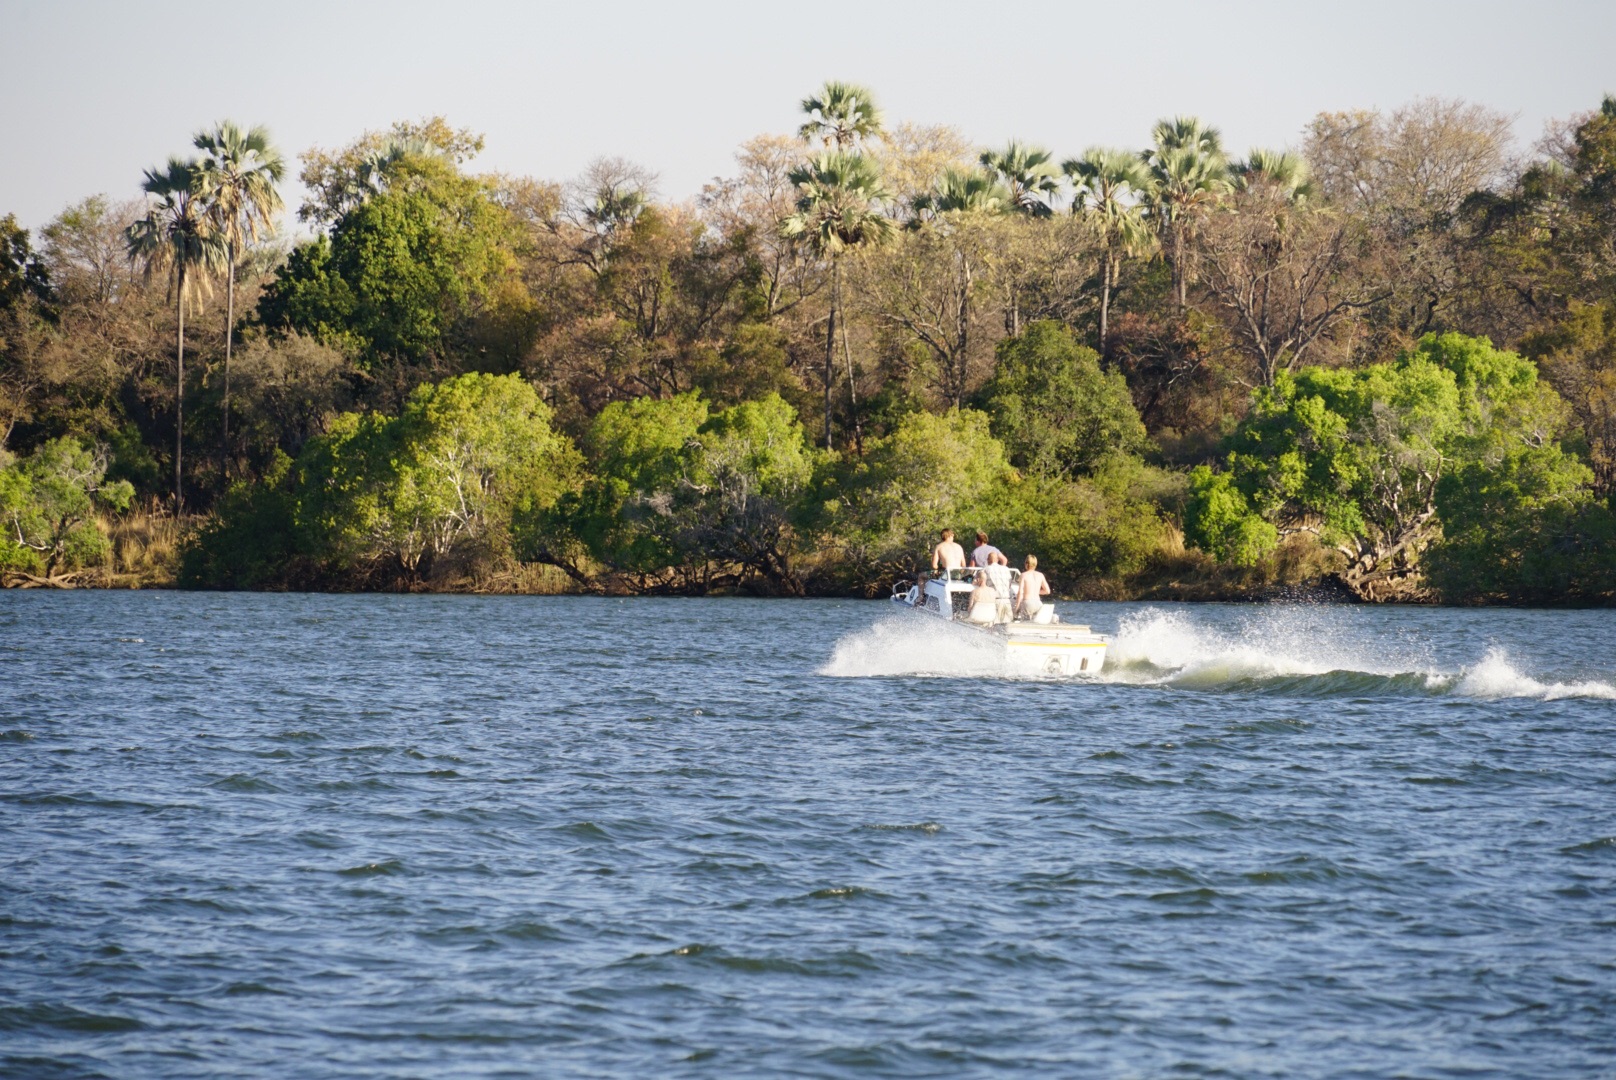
(984, 603)
(1030, 597)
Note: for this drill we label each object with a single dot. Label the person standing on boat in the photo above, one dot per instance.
(998, 574)
(984, 553)
(948, 555)
(1033, 590)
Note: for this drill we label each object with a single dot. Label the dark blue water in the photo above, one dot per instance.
(422, 836)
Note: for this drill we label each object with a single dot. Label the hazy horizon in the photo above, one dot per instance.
(114, 89)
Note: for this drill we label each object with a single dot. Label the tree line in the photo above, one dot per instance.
(1386, 358)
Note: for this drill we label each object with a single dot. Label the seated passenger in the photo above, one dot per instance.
(1033, 590)
(984, 606)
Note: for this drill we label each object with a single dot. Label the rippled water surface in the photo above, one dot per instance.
(418, 836)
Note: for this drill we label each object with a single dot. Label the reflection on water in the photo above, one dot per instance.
(397, 836)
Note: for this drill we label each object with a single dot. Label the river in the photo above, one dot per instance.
(323, 836)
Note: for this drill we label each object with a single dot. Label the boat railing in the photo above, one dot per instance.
(966, 575)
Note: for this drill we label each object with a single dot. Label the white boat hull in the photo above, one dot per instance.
(1030, 648)
(1052, 650)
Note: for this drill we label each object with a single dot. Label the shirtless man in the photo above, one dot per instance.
(948, 555)
(1033, 590)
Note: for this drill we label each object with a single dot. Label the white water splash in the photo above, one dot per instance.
(1171, 648)
(905, 644)
(1496, 677)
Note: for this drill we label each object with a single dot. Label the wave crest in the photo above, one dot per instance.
(1496, 677)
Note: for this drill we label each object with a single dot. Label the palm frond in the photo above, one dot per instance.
(838, 203)
(177, 238)
(840, 115)
(1028, 172)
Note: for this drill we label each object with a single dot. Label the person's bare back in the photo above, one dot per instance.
(1034, 587)
(948, 555)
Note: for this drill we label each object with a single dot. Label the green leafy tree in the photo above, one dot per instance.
(1577, 356)
(250, 540)
(338, 180)
(25, 324)
(642, 442)
(1103, 525)
(48, 505)
(404, 274)
(753, 467)
(876, 517)
(684, 500)
(22, 272)
(178, 240)
(379, 498)
(1523, 527)
(1355, 456)
(445, 476)
(238, 175)
(1057, 413)
(308, 296)
(1218, 519)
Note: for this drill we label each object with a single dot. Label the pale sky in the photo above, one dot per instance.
(98, 91)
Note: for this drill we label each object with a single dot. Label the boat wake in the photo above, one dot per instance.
(1289, 651)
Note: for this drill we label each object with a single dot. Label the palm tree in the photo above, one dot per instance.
(837, 212)
(1187, 133)
(1274, 170)
(239, 171)
(963, 191)
(1189, 171)
(177, 239)
(1110, 186)
(840, 116)
(1028, 172)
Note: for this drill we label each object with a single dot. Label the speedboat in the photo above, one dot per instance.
(1042, 646)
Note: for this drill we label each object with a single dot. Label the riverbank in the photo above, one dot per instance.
(146, 551)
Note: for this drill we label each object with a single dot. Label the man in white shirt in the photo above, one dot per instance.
(998, 572)
(948, 555)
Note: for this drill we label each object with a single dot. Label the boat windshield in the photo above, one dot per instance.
(966, 575)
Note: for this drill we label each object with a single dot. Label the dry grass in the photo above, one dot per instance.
(526, 579)
(145, 550)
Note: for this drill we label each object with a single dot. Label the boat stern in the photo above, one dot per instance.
(1055, 649)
